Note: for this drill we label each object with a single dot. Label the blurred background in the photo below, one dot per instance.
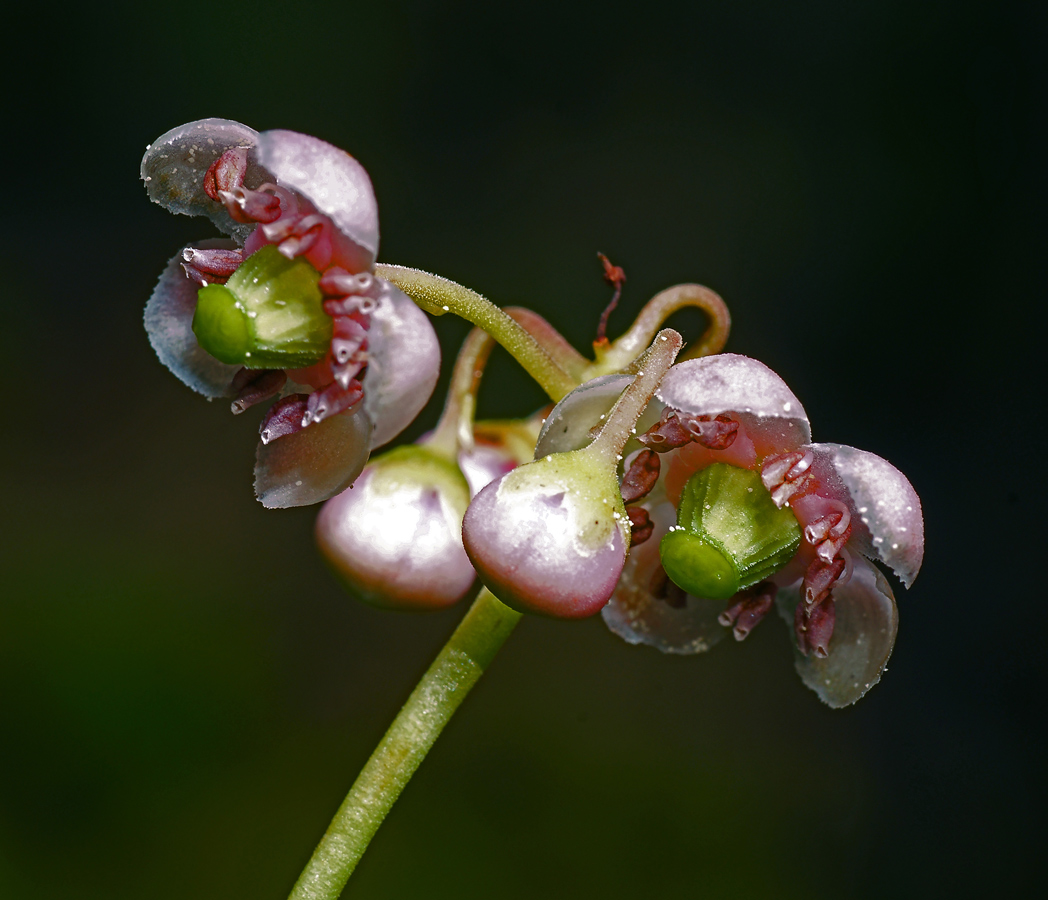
(185, 692)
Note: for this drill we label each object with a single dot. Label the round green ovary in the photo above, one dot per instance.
(729, 534)
(268, 315)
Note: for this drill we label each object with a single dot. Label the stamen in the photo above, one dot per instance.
(786, 475)
(820, 579)
(641, 476)
(641, 526)
(246, 206)
(217, 263)
(331, 400)
(667, 434)
(252, 386)
(712, 433)
(284, 417)
(749, 610)
(226, 173)
(820, 621)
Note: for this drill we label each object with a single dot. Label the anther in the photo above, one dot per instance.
(749, 609)
(641, 526)
(712, 433)
(252, 386)
(226, 173)
(667, 434)
(641, 476)
(786, 475)
(284, 417)
(820, 579)
(216, 264)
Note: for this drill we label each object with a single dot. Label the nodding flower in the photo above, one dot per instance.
(287, 307)
(734, 511)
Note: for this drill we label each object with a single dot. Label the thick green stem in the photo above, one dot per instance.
(445, 685)
(438, 295)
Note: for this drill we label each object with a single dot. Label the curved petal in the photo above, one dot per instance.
(863, 636)
(403, 364)
(547, 538)
(313, 464)
(169, 324)
(638, 616)
(890, 525)
(568, 425)
(332, 180)
(395, 536)
(483, 464)
(729, 383)
(174, 166)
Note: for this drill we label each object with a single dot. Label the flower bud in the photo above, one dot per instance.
(394, 536)
(550, 537)
(729, 534)
(268, 315)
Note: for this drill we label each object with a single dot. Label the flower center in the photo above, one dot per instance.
(729, 534)
(268, 315)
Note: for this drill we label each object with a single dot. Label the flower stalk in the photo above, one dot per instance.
(458, 666)
(438, 295)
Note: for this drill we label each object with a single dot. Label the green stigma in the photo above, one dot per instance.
(269, 315)
(729, 534)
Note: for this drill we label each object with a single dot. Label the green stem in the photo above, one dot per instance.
(438, 295)
(438, 694)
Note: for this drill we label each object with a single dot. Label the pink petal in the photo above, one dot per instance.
(313, 464)
(332, 180)
(399, 544)
(174, 166)
(636, 615)
(169, 324)
(863, 636)
(729, 383)
(526, 537)
(886, 519)
(569, 423)
(403, 364)
(483, 464)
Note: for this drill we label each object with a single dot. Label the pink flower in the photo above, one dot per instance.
(734, 511)
(288, 306)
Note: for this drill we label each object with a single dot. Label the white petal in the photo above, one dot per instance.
(313, 464)
(332, 180)
(403, 365)
(886, 511)
(863, 636)
(729, 383)
(169, 324)
(569, 423)
(637, 616)
(174, 166)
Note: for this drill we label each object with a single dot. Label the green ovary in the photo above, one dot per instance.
(269, 315)
(729, 534)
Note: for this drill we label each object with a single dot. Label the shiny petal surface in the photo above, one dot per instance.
(174, 165)
(397, 539)
(638, 616)
(729, 383)
(539, 546)
(887, 515)
(169, 324)
(403, 365)
(569, 423)
(483, 464)
(863, 636)
(333, 181)
(313, 464)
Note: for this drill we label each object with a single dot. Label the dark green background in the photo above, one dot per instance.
(186, 694)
